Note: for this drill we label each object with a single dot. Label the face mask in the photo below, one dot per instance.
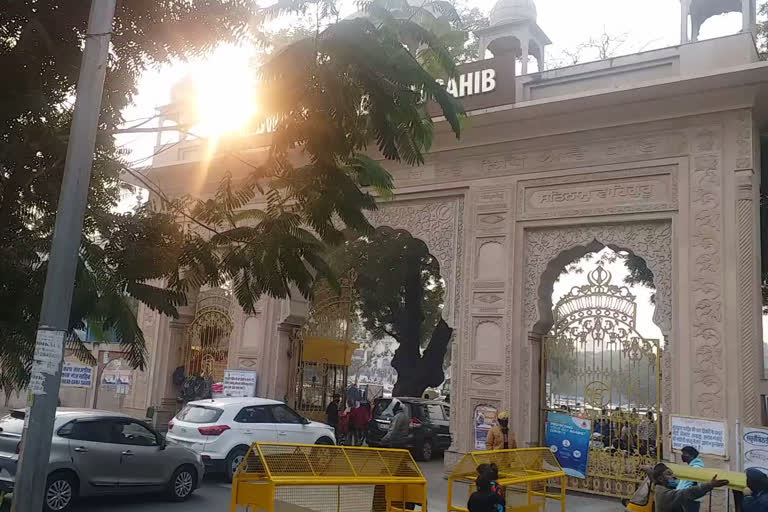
(671, 482)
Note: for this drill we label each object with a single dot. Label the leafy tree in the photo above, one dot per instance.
(351, 85)
(400, 295)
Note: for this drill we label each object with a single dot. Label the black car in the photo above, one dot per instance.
(429, 431)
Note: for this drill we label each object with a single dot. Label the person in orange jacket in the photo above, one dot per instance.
(500, 437)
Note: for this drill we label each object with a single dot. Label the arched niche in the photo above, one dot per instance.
(547, 252)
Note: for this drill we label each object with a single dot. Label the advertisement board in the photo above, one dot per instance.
(485, 419)
(754, 450)
(240, 383)
(568, 438)
(707, 436)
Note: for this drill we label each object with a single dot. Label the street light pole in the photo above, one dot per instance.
(43, 390)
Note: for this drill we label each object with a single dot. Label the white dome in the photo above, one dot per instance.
(506, 11)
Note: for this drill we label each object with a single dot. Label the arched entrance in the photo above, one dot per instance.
(596, 365)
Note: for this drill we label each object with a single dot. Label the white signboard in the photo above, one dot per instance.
(707, 436)
(755, 448)
(76, 375)
(49, 351)
(240, 383)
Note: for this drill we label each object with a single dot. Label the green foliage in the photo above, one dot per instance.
(400, 294)
(351, 85)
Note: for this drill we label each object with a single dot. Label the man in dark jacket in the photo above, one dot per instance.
(332, 412)
(667, 498)
(757, 481)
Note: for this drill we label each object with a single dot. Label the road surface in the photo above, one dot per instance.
(215, 493)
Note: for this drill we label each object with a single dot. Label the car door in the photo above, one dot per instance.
(291, 427)
(142, 461)
(440, 425)
(255, 423)
(95, 458)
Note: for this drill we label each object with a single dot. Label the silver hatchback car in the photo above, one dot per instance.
(96, 453)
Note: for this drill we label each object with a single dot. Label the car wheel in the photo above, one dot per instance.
(182, 483)
(233, 461)
(60, 492)
(326, 441)
(425, 451)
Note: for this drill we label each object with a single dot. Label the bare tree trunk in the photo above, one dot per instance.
(417, 372)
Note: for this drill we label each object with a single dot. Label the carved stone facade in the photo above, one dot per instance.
(666, 172)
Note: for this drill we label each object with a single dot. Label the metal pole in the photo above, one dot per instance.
(60, 278)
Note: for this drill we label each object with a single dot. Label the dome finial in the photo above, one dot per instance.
(506, 11)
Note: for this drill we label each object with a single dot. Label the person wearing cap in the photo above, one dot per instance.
(667, 498)
(757, 501)
(690, 456)
(500, 437)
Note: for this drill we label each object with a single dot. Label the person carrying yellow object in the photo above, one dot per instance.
(500, 437)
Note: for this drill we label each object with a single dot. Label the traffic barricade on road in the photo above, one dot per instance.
(529, 477)
(277, 477)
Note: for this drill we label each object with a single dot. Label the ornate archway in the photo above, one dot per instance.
(547, 252)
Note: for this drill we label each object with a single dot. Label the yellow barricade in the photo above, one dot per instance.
(527, 475)
(277, 477)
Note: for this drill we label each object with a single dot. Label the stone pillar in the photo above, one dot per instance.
(524, 54)
(748, 224)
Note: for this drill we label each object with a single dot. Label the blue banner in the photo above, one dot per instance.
(568, 437)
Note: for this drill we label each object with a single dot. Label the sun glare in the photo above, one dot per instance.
(225, 95)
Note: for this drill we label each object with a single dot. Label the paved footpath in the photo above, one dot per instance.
(214, 496)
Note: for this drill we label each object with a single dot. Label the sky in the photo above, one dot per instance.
(643, 25)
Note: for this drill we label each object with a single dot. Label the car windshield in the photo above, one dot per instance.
(383, 409)
(199, 414)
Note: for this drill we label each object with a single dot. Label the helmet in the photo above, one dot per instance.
(504, 415)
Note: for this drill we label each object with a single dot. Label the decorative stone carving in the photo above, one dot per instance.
(492, 300)
(651, 240)
(485, 380)
(436, 223)
(705, 250)
(743, 133)
(632, 190)
(488, 220)
(247, 363)
(747, 270)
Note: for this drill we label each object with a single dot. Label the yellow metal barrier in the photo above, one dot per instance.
(526, 475)
(276, 477)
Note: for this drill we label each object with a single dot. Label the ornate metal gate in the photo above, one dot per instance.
(597, 366)
(321, 351)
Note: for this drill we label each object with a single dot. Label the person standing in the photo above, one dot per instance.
(332, 412)
(398, 427)
(500, 437)
(757, 501)
(667, 498)
(690, 456)
(358, 423)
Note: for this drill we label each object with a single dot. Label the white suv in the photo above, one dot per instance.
(222, 429)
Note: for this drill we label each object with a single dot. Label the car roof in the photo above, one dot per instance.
(75, 412)
(234, 401)
(416, 400)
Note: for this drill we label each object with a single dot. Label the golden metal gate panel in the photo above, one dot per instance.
(321, 351)
(596, 365)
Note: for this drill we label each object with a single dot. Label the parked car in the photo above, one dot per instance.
(429, 428)
(222, 429)
(98, 453)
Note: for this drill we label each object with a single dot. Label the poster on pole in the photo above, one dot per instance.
(76, 375)
(755, 448)
(568, 438)
(707, 436)
(240, 383)
(485, 419)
